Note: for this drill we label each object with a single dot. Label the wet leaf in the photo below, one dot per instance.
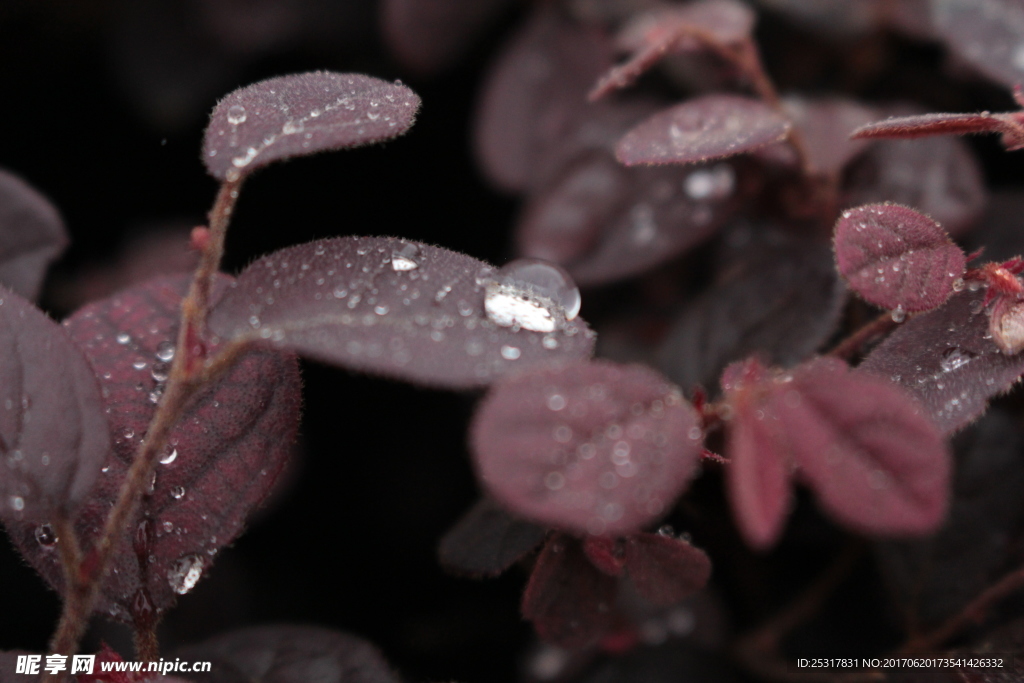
(934, 578)
(535, 95)
(303, 114)
(946, 359)
(940, 177)
(53, 433)
(390, 307)
(32, 235)
(288, 654)
(487, 541)
(989, 34)
(706, 127)
(677, 28)
(222, 459)
(779, 300)
(895, 257)
(568, 600)
(665, 570)
(925, 125)
(430, 36)
(875, 462)
(594, 447)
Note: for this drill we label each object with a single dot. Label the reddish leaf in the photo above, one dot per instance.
(939, 177)
(780, 298)
(535, 95)
(924, 125)
(222, 460)
(288, 654)
(605, 553)
(53, 433)
(896, 257)
(592, 447)
(707, 127)
(665, 570)
(825, 124)
(568, 600)
(391, 307)
(429, 36)
(652, 35)
(303, 114)
(31, 236)
(946, 359)
(875, 462)
(759, 465)
(487, 541)
(987, 33)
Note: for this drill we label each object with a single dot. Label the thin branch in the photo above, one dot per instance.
(75, 615)
(852, 345)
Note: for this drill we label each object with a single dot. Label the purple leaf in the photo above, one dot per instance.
(781, 299)
(758, 476)
(825, 125)
(429, 36)
(896, 257)
(535, 95)
(487, 541)
(32, 235)
(288, 654)
(939, 177)
(303, 114)
(665, 570)
(53, 432)
(568, 600)
(706, 127)
(591, 447)
(924, 125)
(986, 33)
(221, 461)
(397, 308)
(875, 461)
(948, 361)
(677, 28)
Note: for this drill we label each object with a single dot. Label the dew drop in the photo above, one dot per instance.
(531, 294)
(556, 402)
(406, 258)
(898, 314)
(185, 573)
(17, 503)
(159, 372)
(236, 114)
(178, 492)
(713, 183)
(958, 284)
(953, 358)
(139, 364)
(510, 352)
(123, 338)
(46, 536)
(165, 351)
(667, 530)
(170, 457)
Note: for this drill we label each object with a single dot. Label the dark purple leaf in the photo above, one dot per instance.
(396, 308)
(825, 125)
(924, 125)
(568, 600)
(932, 579)
(758, 476)
(780, 299)
(939, 177)
(665, 570)
(303, 114)
(896, 257)
(876, 463)
(706, 127)
(487, 541)
(221, 461)
(606, 553)
(288, 654)
(676, 28)
(948, 361)
(31, 236)
(590, 447)
(429, 36)
(53, 433)
(989, 34)
(535, 95)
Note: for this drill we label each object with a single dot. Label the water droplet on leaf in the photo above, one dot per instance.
(185, 573)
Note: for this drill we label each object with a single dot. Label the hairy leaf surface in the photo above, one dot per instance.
(594, 447)
(896, 257)
(289, 654)
(706, 127)
(487, 541)
(222, 458)
(32, 235)
(53, 432)
(303, 114)
(387, 306)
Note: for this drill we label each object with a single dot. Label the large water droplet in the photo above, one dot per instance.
(46, 536)
(185, 574)
(165, 351)
(531, 294)
(236, 114)
(169, 457)
(406, 258)
(123, 338)
(953, 358)
(159, 371)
